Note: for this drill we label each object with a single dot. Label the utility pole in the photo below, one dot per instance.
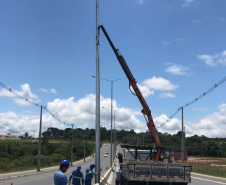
(72, 146)
(143, 140)
(115, 138)
(97, 126)
(111, 159)
(39, 142)
(84, 149)
(182, 139)
(93, 144)
(185, 150)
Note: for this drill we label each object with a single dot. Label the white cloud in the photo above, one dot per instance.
(128, 121)
(72, 111)
(176, 70)
(222, 58)
(159, 84)
(170, 95)
(80, 112)
(187, 3)
(53, 91)
(18, 124)
(83, 111)
(145, 91)
(25, 93)
(212, 126)
(214, 60)
(222, 107)
(172, 126)
(4, 92)
(44, 90)
(208, 59)
(49, 91)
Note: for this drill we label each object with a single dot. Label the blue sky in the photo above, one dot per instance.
(175, 50)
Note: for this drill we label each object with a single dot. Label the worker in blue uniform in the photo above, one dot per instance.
(59, 176)
(77, 176)
(118, 175)
(89, 174)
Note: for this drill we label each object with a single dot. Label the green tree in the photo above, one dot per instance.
(26, 135)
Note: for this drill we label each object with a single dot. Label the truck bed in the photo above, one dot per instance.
(150, 172)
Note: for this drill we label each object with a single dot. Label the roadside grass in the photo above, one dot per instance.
(209, 166)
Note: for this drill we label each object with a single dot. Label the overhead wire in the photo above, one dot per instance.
(30, 101)
(196, 99)
(18, 96)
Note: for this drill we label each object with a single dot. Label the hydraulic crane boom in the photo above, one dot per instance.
(146, 111)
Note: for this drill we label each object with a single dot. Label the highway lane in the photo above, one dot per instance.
(199, 179)
(47, 178)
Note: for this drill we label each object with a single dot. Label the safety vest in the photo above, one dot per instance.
(77, 177)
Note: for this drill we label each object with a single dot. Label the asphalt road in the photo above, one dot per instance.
(197, 179)
(47, 177)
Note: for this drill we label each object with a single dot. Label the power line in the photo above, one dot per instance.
(30, 101)
(196, 99)
(17, 95)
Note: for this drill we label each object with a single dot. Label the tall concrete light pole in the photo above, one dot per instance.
(182, 137)
(97, 125)
(115, 135)
(112, 81)
(112, 137)
(84, 151)
(72, 145)
(39, 142)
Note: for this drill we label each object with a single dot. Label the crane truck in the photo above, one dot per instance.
(143, 165)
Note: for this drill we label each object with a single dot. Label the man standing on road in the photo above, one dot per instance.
(118, 175)
(59, 176)
(89, 174)
(77, 176)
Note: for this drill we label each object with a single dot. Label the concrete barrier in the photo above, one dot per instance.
(107, 177)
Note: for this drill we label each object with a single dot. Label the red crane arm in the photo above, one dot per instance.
(146, 111)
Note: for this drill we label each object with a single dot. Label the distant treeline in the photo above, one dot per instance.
(195, 145)
(56, 145)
